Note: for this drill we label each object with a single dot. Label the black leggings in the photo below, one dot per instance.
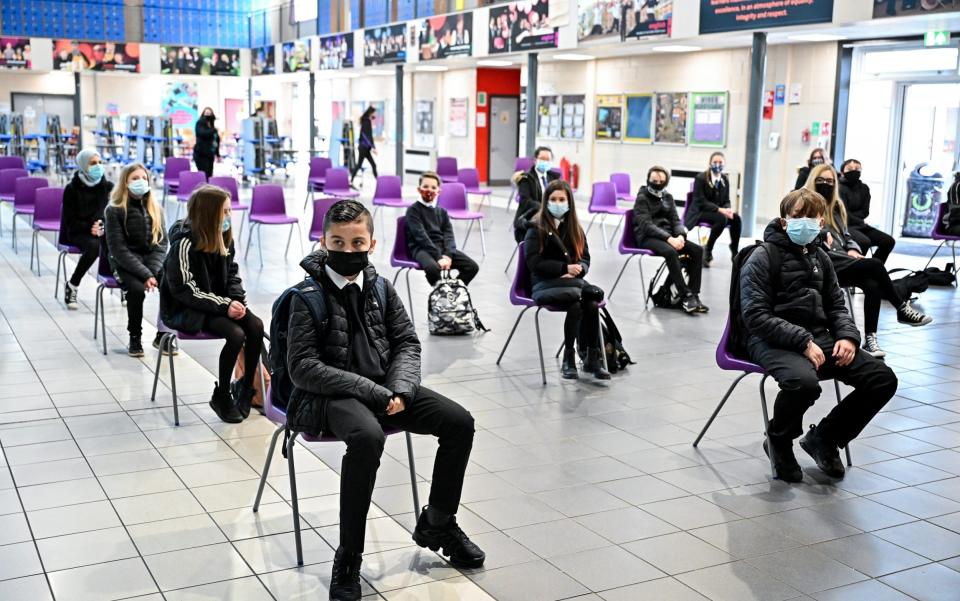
(364, 153)
(136, 292)
(868, 237)
(90, 251)
(871, 276)
(238, 333)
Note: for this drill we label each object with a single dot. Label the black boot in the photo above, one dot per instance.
(707, 257)
(568, 369)
(824, 452)
(594, 364)
(438, 530)
(222, 404)
(345, 580)
(784, 461)
(242, 396)
(135, 348)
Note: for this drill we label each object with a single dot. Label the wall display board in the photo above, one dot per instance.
(296, 55)
(423, 124)
(71, 55)
(449, 35)
(385, 45)
(379, 124)
(609, 118)
(15, 53)
(733, 15)
(457, 118)
(336, 52)
(646, 18)
(906, 8)
(639, 118)
(520, 26)
(548, 117)
(263, 60)
(670, 118)
(195, 60)
(598, 19)
(574, 112)
(708, 121)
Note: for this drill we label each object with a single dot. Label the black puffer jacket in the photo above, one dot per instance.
(208, 139)
(856, 197)
(83, 206)
(317, 360)
(801, 304)
(655, 217)
(841, 243)
(187, 291)
(130, 241)
(803, 174)
(706, 198)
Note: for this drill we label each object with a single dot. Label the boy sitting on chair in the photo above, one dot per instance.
(430, 239)
(363, 373)
(800, 332)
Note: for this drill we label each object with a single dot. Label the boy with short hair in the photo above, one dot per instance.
(800, 332)
(363, 373)
(430, 239)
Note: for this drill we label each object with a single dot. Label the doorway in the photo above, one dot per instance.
(504, 141)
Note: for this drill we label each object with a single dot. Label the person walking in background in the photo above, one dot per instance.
(366, 147)
(856, 198)
(206, 148)
(84, 200)
(711, 204)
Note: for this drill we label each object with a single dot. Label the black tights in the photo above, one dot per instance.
(582, 323)
(90, 251)
(238, 333)
(870, 276)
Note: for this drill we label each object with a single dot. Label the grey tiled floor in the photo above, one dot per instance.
(576, 490)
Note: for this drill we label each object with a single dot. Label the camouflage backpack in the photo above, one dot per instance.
(450, 311)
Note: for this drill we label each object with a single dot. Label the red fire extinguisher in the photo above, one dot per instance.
(575, 183)
(565, 169)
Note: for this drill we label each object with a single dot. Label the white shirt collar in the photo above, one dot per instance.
(341, 282)
(432, 205)
(715, 177)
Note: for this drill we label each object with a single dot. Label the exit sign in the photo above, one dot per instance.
(936, 38)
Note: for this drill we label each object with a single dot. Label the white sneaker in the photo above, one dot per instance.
(872, 347)
(908, 315)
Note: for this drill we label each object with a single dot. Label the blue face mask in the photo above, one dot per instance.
(139, 187)
(543, 166)
(95, 172)
(226, 225)
(558, 209)
(716, 168)
(803, 230)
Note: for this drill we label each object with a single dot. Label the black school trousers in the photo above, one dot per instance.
(429, 412)
(89, 246)
(694, 264)
(466, 267)
(719, 222)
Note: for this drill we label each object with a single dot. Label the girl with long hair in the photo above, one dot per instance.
(817, 157)
(365, 145)
(711, 204)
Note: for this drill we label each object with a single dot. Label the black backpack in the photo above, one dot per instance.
(313, 295)
(911, 284)
(941, 277)
(737, 341)
(617, 357)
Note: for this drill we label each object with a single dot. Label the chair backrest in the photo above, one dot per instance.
(173, 166)
(453, 197)
(469, 177)
(267, 199)
(604, 195)
(189, 181)
(523, 163)
(338, 178)
(400, 242)
(25, 190)
(49, 202)
(621, 181)
(388, 188)
(939, 227)
(320, 208)
(229, 184)
(319, 166)
(11, 162)
(447, 166)
(628, 242)
(9, 177)
(520, 289)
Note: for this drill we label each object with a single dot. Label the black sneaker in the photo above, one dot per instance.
(824, 452)
(701, 308)
(222, 404)
(568, 369)
(784, 461)
(242, 396)
(442, 532)
(135, 348)
(910, 316)
(345, 579)
(70, 296)
(690, 304)
(707, 258)
(174, 348)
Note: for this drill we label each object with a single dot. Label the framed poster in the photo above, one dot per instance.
(457, 118)
(423, 124)
(519, 26)
(574, 116)
(548, 117)
(15, 53)
(196, 60)
(72, 55)
(609, 119)
(382, 45)
(448, 35)
(639, 118)
(263, 60)
(645, 19)
(735, 15)
(336, 52)
(670, 118)
(296, 55)
(708, 122)
(598, 19)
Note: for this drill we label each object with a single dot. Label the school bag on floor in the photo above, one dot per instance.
(450, 311)
(617, 357)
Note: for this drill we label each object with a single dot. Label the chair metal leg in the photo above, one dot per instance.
(34, 251)
(836, 386)
(620, 275)
(766, 426)
(935, 253)
(56, 283)
(413, 477)
(156, 373)
(643, 284)
(716, 411)
(614, 234)
(286, 251)
(409, 296)
(96, 309)
(260, 244)
(246, 252)
(266, 467)
(103, 323)
(512, 255)
(13, 242)
(467, 235)
(293, 497)
(483, 242)
(173, 377)
(603, 229)
(512, 331)
(396, 275)
(590, 225)
(536, 323)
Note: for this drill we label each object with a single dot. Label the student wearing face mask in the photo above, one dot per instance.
(817, 157)
(133, 227)
(430, 239)
(657, 227)
(530, 187)
(856, 198)
(800, 332)
(853, 269)
(84, 199)
(202, 291)
(207, 145)
(711, 204)
(558, 258)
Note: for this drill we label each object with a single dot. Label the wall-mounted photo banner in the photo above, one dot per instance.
(574, 116)
(639, 118)
(336, 52)
(670, 118)
(708, 121)
(548, 117)
(907, 8)
(180, 103)
(609, 118)
(383, 45)
(599, 19)
(734, 15)
(624, 18)
(263, 60)
(296, 55)
(71, 55)
(15, 53)
(423, 134)
(449, 35)
(520, 26)
(196, 60)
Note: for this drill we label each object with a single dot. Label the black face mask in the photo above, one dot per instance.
(657, 186)
(347, 264)
(852, 176)
(826, 191)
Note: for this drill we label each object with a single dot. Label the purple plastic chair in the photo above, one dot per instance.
(727, 361)
(453, 198)
(8, 180)
(521, 296)
(338, 183)
(470, 178)
(320, 208)
(622, 183)
(48, 203)
(11, 162)
(402, 261)
(24, 194)
(628, 247)
(268, 207)
(388, 194)
(105, 280)
(938, 233)
(519, 164)
(603, 202)
(172, 168)
(229, 184)
(64, 248)
(317, 177)
(189, 181)
(278, 416)
(447, 169)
